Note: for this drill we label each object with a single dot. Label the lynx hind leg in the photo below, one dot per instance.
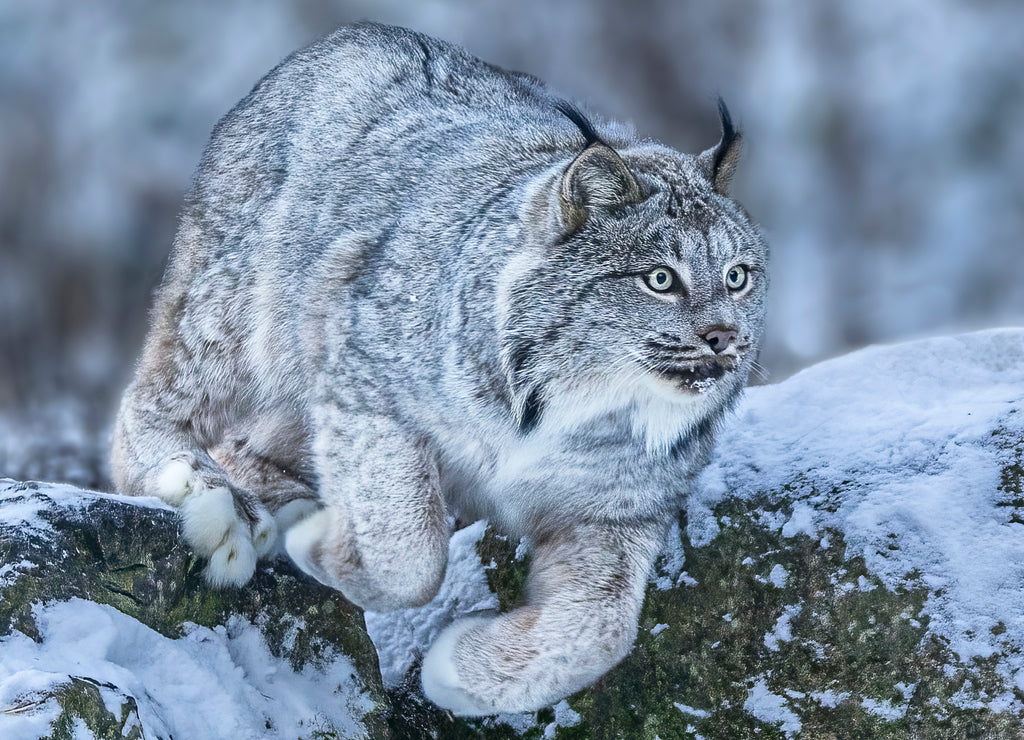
(381, 538)
(584, 595)
(220, 521)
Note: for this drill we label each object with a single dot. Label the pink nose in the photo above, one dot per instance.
(720, 338)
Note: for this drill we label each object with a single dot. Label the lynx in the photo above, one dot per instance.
(409, 285)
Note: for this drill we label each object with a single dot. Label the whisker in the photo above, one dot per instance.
(759, 370)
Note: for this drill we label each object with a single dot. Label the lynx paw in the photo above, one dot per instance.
(213, 526)
(440, 676)
(176, 481)
(214, 529)
(264, 533)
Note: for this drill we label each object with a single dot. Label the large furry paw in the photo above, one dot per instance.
(213, 525)
(321, 546)
(442, 683)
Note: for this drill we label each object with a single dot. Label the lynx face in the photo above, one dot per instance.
(662, 299)
(685, 294)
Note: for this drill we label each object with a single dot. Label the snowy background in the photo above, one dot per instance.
(883, 158)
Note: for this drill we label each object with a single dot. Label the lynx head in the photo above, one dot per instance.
(647, 294)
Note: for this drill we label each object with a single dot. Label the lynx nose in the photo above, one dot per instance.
(720, 338)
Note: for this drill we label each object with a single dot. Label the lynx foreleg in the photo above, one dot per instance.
(381, 538)
(584, 595)
(155, 454)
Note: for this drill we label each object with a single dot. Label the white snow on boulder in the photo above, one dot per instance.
(901, 448)
(210, 683)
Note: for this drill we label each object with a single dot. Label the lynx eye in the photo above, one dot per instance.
(736, 278)
(661, 279)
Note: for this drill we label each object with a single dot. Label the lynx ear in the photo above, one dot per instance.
(719, 163)
(597, 178)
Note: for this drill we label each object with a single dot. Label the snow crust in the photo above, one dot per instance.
(20, 505)
(403, 637)
(902, 444)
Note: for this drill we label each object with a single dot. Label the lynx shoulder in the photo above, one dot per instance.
(408, 284)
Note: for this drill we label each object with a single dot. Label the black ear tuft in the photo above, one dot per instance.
(730, 137)
(598, 178)
(575, 115)
(720, 162)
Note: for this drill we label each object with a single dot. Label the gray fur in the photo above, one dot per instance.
(407, 285)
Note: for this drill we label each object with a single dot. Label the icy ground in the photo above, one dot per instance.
(904, 450)
(220, 683)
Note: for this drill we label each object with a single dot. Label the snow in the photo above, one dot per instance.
(898, 441)
(209, 683)
(782, 631)
(778, 575)
(672, 562)
(685, 709)
(565, 716)
(20, 507)
(402, 637)
(769, 707)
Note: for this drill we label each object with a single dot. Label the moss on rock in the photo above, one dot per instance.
(82, 705)
(798, 622)
(763, 635)
(794, 623)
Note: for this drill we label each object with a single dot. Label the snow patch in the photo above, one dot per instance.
(403, 636)
(565, 716)
(209, 683)
(699, 713)
(771, 708)
(897, 449)
(778, 576)
(782, 631)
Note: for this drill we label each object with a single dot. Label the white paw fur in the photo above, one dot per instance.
(264, 534)
(441, 682)
(302, 537)
(215, 530)
(294, 512)
(208, 516)
(175, 482)
(234, 562)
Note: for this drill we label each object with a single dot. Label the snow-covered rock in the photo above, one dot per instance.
(851, 565)
(109, 631)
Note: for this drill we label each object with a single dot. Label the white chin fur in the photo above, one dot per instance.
(441, 683)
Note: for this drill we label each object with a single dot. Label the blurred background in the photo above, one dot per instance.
(884, 159)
